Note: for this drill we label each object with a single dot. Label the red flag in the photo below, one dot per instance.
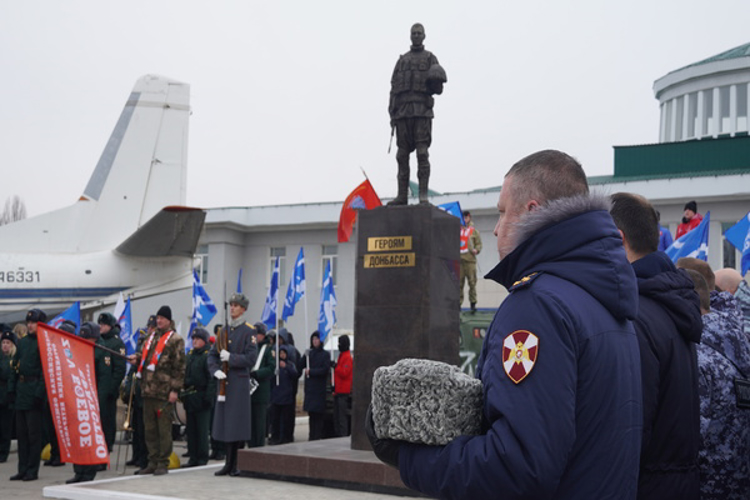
(363, 197)
(68, 364)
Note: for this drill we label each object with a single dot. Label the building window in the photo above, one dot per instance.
(724, 102)
(668, 124)
(679, 102)
(708, 112)
(742, 108)
(202, 268)
(279, 252)
(692, 118)
(330, 254)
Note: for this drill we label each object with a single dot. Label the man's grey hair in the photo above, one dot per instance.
(547, 175)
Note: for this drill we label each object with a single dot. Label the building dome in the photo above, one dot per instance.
(706, 99)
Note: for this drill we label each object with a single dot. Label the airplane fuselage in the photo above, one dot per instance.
(56, 280)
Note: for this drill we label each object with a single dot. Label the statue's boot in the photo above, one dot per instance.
(423, 173)
(403, 179)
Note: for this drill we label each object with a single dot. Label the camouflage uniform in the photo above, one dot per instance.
(155, 388)
(469, 266)
(743, 297)
(723, 355)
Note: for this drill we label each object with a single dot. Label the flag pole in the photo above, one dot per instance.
(307, 323)
(97, 346)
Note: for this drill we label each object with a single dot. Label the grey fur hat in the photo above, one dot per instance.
(240, 300)
(424, 401)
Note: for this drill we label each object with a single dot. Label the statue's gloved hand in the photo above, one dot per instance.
(385, 449)
(220, 375)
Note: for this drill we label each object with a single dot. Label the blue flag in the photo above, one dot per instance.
(737, 233)
(454, 208)
(327, 317)
(73, 313)
(203, 309)
(239, 281)
(127, 335)
(268, 317)
(739, 236)
(296, 289)
(692, 244)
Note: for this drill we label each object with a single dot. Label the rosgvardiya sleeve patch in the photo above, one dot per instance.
(520, 351)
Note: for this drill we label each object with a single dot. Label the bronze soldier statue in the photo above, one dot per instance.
(416, 78)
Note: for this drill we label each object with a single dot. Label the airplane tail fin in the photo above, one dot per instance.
(174, 231)
(143, 167)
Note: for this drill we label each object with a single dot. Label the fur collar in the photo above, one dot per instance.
(558, 210)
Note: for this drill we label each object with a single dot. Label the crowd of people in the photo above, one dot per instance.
(609, 371)
(228, 385)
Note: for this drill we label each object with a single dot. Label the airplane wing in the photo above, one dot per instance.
(173, 231)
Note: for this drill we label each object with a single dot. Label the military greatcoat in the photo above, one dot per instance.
(232, 420)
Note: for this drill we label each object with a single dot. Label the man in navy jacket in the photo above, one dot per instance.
(559, 366)
(668, 327)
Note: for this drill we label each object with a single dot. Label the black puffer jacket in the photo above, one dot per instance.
(668, 327)
(316, 382)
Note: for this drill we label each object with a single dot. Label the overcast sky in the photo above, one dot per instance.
(289, 98)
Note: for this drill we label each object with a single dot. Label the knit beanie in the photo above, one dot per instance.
(165, 312)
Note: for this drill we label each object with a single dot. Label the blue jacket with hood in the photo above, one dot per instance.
(571, 428)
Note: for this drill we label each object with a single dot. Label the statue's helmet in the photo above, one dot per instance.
(436, 74)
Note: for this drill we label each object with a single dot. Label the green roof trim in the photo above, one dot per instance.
(683, 159)
(735, 53)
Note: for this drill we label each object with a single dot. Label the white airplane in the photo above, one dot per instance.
(129, 232)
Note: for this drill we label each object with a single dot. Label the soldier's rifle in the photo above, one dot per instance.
(222, 343)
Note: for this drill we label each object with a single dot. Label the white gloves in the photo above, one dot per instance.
(224, 355)
(220, 375)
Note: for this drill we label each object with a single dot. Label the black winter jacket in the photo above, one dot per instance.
(668, 327)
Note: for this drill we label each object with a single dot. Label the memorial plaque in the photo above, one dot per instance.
(406, 303)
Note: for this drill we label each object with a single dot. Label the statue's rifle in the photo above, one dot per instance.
(390, 143)
(222, 343)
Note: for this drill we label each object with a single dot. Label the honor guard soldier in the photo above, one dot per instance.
(90, 332)
(30, 399)
(197, 398)
(231, 359)
(110, 338)
(161, 369)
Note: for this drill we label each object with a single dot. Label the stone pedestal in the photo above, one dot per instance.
(407, 293)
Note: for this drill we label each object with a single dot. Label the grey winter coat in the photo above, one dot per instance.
(232, 416)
